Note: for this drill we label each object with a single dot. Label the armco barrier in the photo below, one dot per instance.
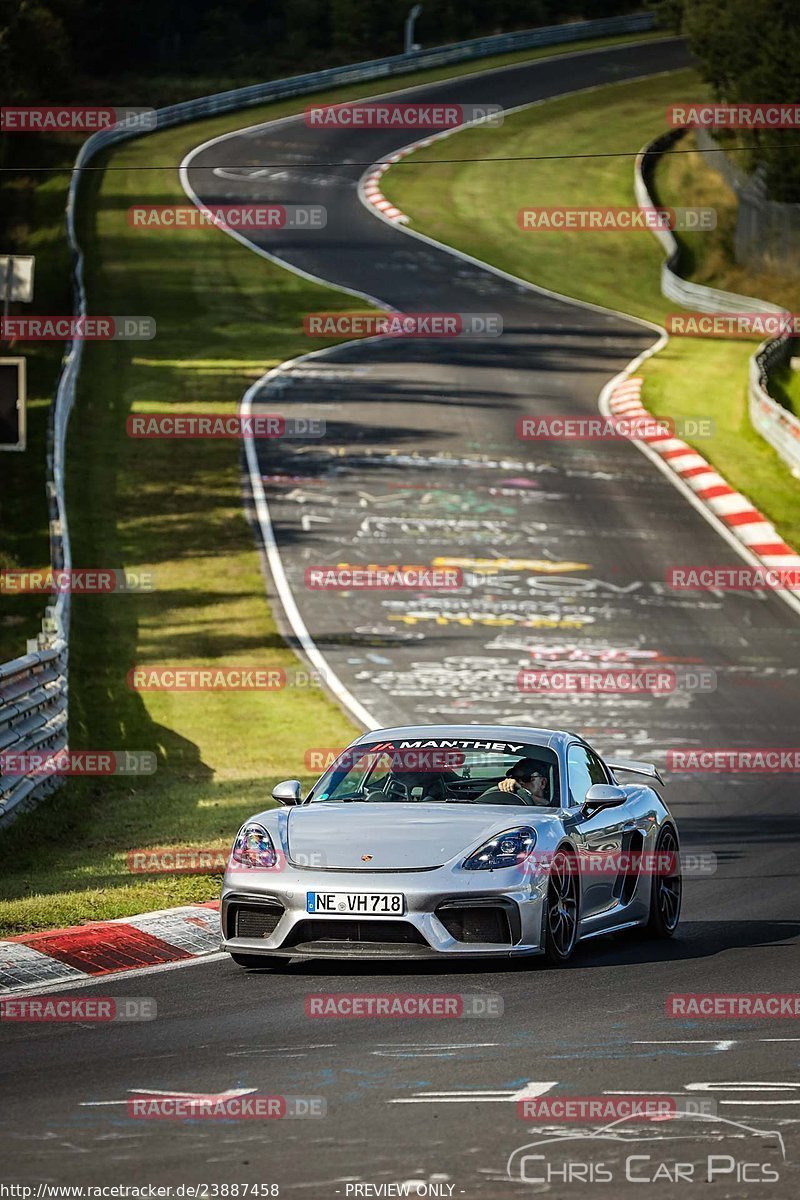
(776, 424)
(51, 653)
(33, 717)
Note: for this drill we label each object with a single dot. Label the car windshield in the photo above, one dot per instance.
(442, 771)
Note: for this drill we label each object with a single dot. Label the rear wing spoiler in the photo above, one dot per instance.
(649, 770)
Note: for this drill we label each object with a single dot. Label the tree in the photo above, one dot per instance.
(35, 55)
(749, 52)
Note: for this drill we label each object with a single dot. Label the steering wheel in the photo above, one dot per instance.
(496, 795)
(393, 789)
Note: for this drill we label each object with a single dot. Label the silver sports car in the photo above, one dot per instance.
(457, 840)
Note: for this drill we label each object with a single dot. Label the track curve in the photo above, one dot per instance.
(422, 461)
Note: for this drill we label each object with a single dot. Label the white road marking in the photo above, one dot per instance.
(286, 1052)
(415, 1053)
(636, 1092)
(720, 1045)
(748, 1086)
(740, 1085)
(437, 1045)
(753, 1103)
(494, 1096)
(192, 1095)
(169, 1092)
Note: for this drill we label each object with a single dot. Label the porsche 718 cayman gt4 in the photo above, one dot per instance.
(450, 841)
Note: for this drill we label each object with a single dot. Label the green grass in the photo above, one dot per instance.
(710, 258)
(224, 316)
(172, 508)
(37, 227)
(472, 204)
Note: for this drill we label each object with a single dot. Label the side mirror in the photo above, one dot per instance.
(603, 795)
(289, 792)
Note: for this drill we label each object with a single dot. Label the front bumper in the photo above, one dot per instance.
(448, 913)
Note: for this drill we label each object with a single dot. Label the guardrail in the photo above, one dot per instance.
(776, 424)
(51, 653)
(33, 719)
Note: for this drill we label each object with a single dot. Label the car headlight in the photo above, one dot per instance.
(507, 849)
(253, 848)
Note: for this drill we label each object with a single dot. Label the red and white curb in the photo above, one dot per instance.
(744, 522)
(105, 947)
(370, 183)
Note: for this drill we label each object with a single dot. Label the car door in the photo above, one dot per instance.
(599, 838)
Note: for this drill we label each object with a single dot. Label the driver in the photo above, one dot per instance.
(529, 780)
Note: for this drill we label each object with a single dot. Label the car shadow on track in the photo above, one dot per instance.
(694, 940)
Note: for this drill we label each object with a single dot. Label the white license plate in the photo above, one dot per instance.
(356, 904)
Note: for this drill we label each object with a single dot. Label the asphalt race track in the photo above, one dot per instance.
(567, 546)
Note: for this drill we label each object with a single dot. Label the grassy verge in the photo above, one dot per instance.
(473, 205)
(174, 509)
(35, 212)
(224, 316)
(710, 258)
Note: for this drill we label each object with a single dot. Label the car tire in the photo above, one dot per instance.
(562, 908)
(667, 890)
(258, 962)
